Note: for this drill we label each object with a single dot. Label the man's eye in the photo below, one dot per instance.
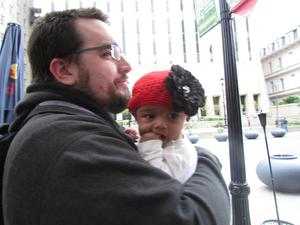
(107, 53)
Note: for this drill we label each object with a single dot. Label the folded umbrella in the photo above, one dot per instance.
(11, 71)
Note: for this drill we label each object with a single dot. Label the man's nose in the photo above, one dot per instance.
(125, 65)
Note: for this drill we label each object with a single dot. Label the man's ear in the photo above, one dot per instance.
(60, 69)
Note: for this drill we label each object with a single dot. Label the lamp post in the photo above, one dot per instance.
(238, 186)
(224, 107)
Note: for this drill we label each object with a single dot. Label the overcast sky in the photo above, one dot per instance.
(274, 18)
(270, 18)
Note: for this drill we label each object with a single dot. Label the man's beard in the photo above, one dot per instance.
(116, 102)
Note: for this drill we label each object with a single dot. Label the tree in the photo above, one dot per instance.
(289, 100)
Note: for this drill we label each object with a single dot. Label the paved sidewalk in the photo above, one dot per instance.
(261, 199)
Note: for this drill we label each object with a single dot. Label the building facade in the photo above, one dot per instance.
(155, 34)
(281, 66)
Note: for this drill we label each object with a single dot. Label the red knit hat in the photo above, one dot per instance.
(176, 89)
(150, 89)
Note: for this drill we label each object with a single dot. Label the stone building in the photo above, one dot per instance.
(281, 67)
(155, 34)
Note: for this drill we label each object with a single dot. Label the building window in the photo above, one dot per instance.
(153, 40)
(108, 7)
(274, 102)
(167, 6)
(270, 67)
(243, 104)
(211, 55)
(236, 47)
(122, 6)
(283, 41)
(263, 52)
(136, 6)
(273, 87)
(169, 39)
(123, 35)
(278, 43)
(216, 101)
(295, 33)
(196, 33)
(280, 63)
(138, 41)
(203, 110)
(248, 40)
(256, 102)
(183, 33)
(152, 6)
(139, 53)
(183, 41)
(282, 83)
(154, 52)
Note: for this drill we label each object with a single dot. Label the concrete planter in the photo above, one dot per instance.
(251, 134)
(221, 136)
(286, 173)
(194, 138)
(275, 222)
(279, 132)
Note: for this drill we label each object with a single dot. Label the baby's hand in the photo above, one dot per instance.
(150, 136)
(132, 133)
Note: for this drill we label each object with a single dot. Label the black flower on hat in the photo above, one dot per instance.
(186, 91)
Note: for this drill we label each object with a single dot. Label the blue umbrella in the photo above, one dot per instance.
(11, 71)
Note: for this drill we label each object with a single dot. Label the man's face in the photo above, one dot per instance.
(97, 73)
(161, 121)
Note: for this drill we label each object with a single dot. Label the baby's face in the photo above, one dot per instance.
(164, 123)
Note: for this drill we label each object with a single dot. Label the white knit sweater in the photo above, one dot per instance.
(178, 158)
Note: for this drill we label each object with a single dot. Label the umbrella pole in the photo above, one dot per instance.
(238, 186)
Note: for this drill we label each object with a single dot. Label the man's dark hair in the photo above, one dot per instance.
(54, 35)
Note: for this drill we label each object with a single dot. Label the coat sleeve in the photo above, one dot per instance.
(110, 183)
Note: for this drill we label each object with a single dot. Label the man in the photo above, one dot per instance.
(70, 162)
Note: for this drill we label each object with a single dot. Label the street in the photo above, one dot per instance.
(261, 199)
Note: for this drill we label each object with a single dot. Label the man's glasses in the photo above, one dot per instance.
(115, 50)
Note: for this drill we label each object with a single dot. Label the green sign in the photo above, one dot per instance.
(207, 16)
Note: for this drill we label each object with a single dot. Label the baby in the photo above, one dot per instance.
(161, 102)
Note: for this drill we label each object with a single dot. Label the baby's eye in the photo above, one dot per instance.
(174, 115)
(148, 116)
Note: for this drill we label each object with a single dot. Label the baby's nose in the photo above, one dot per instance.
(161, 123)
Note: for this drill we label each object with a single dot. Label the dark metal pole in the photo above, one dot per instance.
(238, 187)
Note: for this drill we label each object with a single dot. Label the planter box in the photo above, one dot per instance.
(285, 170)
(279, 132)
(193, 138)
(251, 134)
(221, 136)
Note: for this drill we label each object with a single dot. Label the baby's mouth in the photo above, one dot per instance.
(162, 137)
